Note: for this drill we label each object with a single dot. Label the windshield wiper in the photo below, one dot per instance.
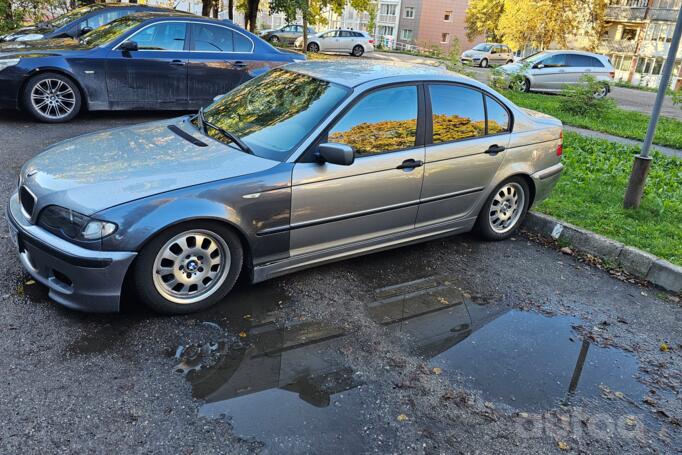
(231, 136)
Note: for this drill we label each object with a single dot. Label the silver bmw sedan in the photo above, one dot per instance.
(309, 163)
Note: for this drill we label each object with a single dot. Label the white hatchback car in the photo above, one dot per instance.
(346, 41)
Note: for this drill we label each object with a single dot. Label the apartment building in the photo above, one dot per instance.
(439, 23)
(637, 39)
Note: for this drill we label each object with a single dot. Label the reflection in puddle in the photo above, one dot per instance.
(292, 388)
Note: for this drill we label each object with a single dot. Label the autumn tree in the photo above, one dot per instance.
(483, 17)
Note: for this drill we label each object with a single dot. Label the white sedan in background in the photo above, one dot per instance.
(346, 41)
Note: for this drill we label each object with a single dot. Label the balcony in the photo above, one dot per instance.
(610, 45)
(387, 19)
(660, 14)
(625, 13)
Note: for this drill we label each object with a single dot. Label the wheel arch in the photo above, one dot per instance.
(62, 72)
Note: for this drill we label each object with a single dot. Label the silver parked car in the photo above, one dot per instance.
(306, 164)
(552, 71)
(287, 34)
(343, 41)
(486, 54)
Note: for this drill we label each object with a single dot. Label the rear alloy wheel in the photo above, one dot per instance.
(504, 210)
(509, 62)
(274, 39)
(51, 98)
(358, 51)
(602, 92)
(484, 63)
(188, 268)
(313, 47)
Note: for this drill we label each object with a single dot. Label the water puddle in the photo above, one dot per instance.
(291, 387)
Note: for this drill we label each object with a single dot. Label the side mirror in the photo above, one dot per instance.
(539, 66)
(128, 46)
(84, 30)
(334, 153)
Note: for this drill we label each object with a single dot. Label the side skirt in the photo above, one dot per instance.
(304, 261)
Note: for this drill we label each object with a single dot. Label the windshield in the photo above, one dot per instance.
(483, 47)
(535, 57)
(64, 19)
(109, 32)
(274, 112)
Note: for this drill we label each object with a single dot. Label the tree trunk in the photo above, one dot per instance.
(206, 7)
(216, 8)
(230, 8)
(305, 33)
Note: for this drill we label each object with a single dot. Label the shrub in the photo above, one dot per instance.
(581, 98)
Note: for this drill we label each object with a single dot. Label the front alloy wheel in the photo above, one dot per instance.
(313, 47)
(188, 268)
(504, 210)
(274, 39)
(52, 98)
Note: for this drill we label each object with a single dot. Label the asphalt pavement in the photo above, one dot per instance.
(451, 346)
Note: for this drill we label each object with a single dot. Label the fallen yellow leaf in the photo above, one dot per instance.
(562, 445)
(30, 282)
(619, 394)
(242, 334)
(402, 418)
(664, 347)
(247, 316)
(443, 301)
(437, 370)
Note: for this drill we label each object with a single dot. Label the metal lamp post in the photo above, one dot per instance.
(640, 168)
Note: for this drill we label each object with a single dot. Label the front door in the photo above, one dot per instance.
(463, 153)
(215, 67)
(155, 75)
(378, 194)
(550, 73)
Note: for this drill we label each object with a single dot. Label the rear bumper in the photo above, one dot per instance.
(77, 278)
(545, 180)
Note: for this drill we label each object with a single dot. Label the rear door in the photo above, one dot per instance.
(215, 66)
(463, 151)
(154, 76)
(378, 194)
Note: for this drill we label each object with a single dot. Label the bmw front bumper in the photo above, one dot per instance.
(77, 277)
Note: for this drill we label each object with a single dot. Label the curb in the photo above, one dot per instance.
(634, 261)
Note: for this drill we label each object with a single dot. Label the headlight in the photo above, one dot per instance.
(73, 225)
(7, 62)
(29, 37)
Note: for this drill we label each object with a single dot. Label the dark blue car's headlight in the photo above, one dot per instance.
(73, 225)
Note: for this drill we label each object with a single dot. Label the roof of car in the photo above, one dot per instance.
(569, 51)
(353, 73)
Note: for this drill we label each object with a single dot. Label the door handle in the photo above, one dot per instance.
(178, 62)
(495, 149)
(239, 64)
(410, 164)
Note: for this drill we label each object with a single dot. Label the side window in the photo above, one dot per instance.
(456, 112)
(210, 38)
(345, 34)
(330, 34)
(498, 117)
(164, 36)
(507, 50)
(555, 61)
(595, 62)
(383, 121)
(242, 43)
(100, 19)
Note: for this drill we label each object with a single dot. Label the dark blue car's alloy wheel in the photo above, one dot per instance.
(53, 98)
(191, 266)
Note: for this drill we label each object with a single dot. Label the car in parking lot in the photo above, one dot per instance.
(552, 71)
(306, 164)
(77, 22)
(285, 35)
(339, 41)
(151, 61)
(487, 54)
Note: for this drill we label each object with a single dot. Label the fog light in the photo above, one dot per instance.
(97, 230)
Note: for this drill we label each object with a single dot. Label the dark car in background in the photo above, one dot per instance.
(77, 22)
(151, 61)
(286, 35)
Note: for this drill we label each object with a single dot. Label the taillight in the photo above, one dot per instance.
(371, 41)
(560, 147)
(612, 74)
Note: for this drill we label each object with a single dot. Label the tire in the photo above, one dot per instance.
(358, 51)
(483, 63)
(51, 98)
(274, 39)
(603, 92)
(509, 220)
(522, 87)
(171, 257)
(509, 61)
(313, 47)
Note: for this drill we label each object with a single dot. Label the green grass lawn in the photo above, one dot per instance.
(590, 194)
(618, 122)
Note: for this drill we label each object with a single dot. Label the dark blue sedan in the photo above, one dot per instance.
(141, 61)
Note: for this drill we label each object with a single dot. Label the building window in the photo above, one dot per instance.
(629, 34)
(387, 8)
(444, 38)
(406, 34)
(409, 12)
(385, 30)
(447, 17)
